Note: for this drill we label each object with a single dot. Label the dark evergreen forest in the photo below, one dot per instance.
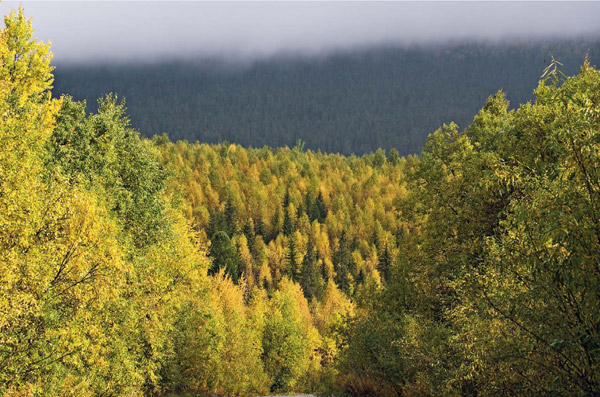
(351, 102)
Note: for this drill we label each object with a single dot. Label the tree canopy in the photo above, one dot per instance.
(134, 266)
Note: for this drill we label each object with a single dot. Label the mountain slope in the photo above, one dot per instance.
(352, 102)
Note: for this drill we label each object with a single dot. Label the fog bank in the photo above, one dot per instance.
(125, 31)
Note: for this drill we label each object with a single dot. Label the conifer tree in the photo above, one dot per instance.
(321, 208)
(343, 264)
(292, 259)
(384, 264)
(224, 256)
(310, 279)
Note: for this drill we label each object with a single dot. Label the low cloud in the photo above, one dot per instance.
(123, 31)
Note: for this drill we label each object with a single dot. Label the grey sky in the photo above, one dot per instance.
(110, 31)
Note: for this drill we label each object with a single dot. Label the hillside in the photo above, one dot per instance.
(354, 102)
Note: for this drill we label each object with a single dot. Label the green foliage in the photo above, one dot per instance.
(93, 258)
(111, 157)
(500, 274)
(224, 256)
(310, 277)
(471, 269)
(288, 338)
(217, 344)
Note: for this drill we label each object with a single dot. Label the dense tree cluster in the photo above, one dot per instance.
(346, 102)
(288, 213)
(131, 266)
(105, 287)
(93, 255)
(497, 290)
(473, 267)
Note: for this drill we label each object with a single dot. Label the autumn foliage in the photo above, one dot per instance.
(145, 267)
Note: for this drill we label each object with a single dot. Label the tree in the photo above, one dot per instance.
(289, 339)
(218, 343)
(292, 260)
(60, 260)
(310, 278)
(393, 157)
(542, 288)
(321, 208)
(246, 261)
(231, 218)
(379, 158)
(343, 264)
(224, 256)
(385, 263)
(288, 224)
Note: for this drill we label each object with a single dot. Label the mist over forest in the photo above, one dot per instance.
(345, 102)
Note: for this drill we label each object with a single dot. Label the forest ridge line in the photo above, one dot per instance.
(348, 102)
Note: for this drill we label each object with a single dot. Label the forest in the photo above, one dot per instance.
(144, 266)
(348, 102)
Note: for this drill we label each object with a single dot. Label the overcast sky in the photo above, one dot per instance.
(82, 31)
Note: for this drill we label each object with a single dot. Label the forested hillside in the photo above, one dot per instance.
(134, 266)
(289, 213)
(353, 102)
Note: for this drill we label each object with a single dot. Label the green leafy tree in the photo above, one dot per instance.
(288, 338)
(224, 256)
